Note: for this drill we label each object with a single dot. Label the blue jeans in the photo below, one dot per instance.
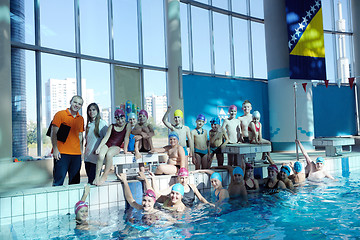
(90, 171)
(67, 164)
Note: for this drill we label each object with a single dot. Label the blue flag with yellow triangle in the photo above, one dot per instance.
(305, 39)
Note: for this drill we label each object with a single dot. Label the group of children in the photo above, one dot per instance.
(135, 136)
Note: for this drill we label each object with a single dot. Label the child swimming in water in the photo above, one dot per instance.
(283, 176)
(82, 210)
(298, 175)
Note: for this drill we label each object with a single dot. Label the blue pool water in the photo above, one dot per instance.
(325, 211)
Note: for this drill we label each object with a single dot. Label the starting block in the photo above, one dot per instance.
(126, 163)
(333, 146)
(249, 150)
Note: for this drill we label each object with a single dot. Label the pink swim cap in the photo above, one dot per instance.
(79, 205)
(144, 112)
(119, 113)
(183, 172)
(151, 194)
(232, 107)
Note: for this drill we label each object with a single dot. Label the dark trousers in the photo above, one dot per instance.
(90, 171)
(70, 164)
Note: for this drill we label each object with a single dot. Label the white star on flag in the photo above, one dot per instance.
(301, 26)
(297, 32)
(317, 4)
(293, 38)
(313, 9)
(308, 14)
(305, 20)
(290, 44)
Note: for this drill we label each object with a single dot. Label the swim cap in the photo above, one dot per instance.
(217, 176)
(183, 172)
(174, 134)
(119, 113)
(215, 120)
(151, 194)
(238, 170)
(256, 114)
(320, 160)
(178, 113)
(297, 166)
(132, 115)
(248, 166)
(273, 167)
(232, 107)
(178, 188)
(285, 169)
(144, 112)
(201, 117)
(79, 205)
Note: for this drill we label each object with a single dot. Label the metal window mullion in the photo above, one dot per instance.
(38, 78)
(190, 41)
(77, 46)
(334, 36)
(212, 48)
(141, 55)
(231, 39)
(251, 59)
(111, 52)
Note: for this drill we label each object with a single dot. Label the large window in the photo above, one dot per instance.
(221, 44)
(78, 44)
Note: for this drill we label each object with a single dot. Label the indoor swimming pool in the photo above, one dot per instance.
(328, 210)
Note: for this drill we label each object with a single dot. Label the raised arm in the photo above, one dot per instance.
(165, 119)
(86, 192)
(307, 157)
(128, 195)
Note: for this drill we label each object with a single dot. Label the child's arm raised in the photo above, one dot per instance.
(165, 119)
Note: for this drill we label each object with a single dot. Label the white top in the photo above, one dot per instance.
(92, 142)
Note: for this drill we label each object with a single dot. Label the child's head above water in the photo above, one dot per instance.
(81, 211)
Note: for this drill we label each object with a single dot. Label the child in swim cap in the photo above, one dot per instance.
(199, 137)
(174, 203)
(298, 175)
(220, 194)
(283, 176)
(81, 210)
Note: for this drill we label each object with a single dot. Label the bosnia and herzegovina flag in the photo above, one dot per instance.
(305, 39)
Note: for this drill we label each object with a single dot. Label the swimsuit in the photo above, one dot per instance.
(116, 138)
(272, 190)
(246, 139)
(257, 129)
(248, 187)
(215, 149)
(188, 198)
(216, 196)
(200, 152)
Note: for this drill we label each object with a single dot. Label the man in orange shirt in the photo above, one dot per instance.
(67, 142)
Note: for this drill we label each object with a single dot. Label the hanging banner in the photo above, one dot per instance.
(305, 39)
(351, 82)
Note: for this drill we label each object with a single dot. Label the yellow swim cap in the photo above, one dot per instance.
(178, 113)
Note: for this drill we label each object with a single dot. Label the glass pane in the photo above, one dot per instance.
(221, 4)
(59, 85)
(125, 29)
(184, 36)
(329, 57)
(327, 19)
(156, 104)
(257, 8)
(343, 46)
(94, 32)
(239, 6)
(24, 117)
(341, 10)
(92, 74)
(22, 22)
(153, 32)
(57, 26)
(201, 40)
(221, 44)
(259, 51)
(241, 47)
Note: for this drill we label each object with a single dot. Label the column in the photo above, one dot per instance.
(281, 87)
(174, 77)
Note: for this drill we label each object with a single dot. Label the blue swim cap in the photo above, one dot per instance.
(201, 117)
(238, 170)
(174, 134)
(215, 120)
(285, 169)
(298, 166)
(217, 176)
(320, 160)
(178, 188)
(132, 115)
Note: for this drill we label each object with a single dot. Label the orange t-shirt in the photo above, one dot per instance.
(72, 143)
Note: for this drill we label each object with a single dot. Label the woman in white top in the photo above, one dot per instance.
(95, 131)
